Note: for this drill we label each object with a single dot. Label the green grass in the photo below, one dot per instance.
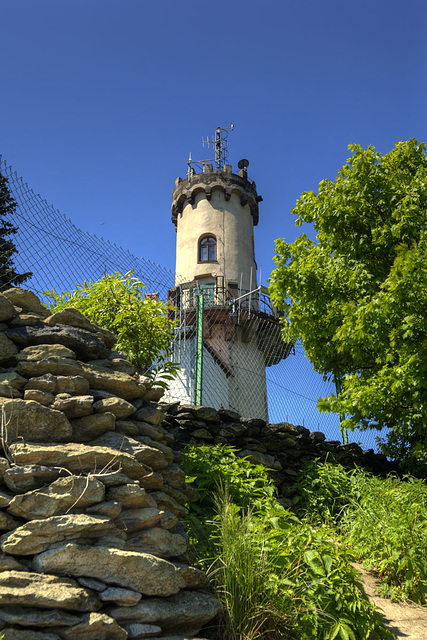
(277, 577)
(382, 520)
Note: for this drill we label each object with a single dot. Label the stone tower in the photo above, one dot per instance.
(214, 213)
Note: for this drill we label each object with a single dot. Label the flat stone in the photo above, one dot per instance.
(30, 319)
(27, 300)
(72, 317)
(5, 499)
(73, 406)
(174, 476)
(155, 444)
(20, 479)
(131, 496)
(207, 414)
(186, 610)
(142, 631)
(167, 503)
(34, 353)
(23, 588)
(260, 458)
(27, 634)
(119, 407)
(13, 379)
(8, 563)
(55, 365)
(150, 456)
(43, 397)
(32, 422)
(78, 458)
(120, 364)
(91, 583)
(30, 617)
(153, 481)
(168, 521)
(149, 414)
(120, 597)
(7, 309)
(154, 394)
(86, 345)
(6, 391)
(110, 508)
(92, 426)
(7, 348)
(37, 536)
(74, 385)
(140, 572)
(137, 519)
(7, 522)
(120, 384)
(157, 541)
(58, 497)
(94, 626)
(127, 428)
(46, 383)
(4, 466)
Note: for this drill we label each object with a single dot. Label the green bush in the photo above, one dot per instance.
(119, 303)
(382, 520)
(276, 576)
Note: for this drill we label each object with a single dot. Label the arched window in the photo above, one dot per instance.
(207, 249)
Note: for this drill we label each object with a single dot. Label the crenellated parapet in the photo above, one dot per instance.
(187, 189)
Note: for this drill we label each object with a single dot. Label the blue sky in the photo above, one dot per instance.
(103, 100)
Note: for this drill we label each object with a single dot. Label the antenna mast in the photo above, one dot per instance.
(220, 144)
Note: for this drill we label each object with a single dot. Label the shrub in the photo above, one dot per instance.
(276, 576)
(119, 303)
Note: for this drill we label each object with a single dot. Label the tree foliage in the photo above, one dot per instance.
(119, 303)
(356, 295)
(8, 276)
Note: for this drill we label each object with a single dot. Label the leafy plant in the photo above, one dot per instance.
(276, 576)
(119, 303)
(355, 295)
(383, 521)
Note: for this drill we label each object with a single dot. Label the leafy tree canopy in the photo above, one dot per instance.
(119, 303)
(8, 276)
(356, 295)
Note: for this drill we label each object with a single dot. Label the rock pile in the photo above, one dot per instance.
(284, 448)
(91, 491)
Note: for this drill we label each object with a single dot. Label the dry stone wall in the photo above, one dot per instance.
(284, 448)
(91, 490)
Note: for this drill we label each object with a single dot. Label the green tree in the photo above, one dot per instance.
(119, 303)
(8, 276)
(356, 295)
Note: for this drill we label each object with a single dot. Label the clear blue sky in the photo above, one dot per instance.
(102, 100)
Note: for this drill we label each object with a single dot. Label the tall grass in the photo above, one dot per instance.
(277, 577)
(382, 520)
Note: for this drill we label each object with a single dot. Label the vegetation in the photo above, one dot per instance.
(119, 303)
(8, 276)
(356, 294)
(277, 577)
(383, 521)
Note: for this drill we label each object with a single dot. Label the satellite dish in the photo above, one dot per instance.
(243, 163)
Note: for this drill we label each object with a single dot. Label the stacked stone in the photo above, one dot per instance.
(91, 491)
(284, 448)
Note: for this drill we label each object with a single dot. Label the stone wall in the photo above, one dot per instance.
(283, 447)
(91, 491)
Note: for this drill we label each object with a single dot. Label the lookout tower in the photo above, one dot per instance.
(228, 331)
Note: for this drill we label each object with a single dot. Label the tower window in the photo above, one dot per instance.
(207, 249)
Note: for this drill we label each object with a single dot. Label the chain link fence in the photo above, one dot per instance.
(240, 361)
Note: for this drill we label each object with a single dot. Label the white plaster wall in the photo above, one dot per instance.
(233, 227)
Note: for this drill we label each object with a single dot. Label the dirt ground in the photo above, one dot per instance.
(407, 621)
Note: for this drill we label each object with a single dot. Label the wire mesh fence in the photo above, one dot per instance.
(240, 361)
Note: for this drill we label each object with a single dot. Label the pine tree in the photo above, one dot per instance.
(8, 276)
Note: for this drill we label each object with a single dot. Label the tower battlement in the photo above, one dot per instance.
(208, 181)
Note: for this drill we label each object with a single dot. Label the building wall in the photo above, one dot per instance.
(232, 225)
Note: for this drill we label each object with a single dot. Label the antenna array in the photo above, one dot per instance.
(220, 144)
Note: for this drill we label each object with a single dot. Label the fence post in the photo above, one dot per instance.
(199, 351)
